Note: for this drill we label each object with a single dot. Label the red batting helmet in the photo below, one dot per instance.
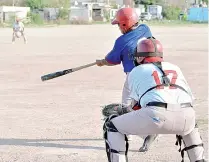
(149, 47)
(125, 18)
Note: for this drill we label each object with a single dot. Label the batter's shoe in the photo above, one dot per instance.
(147, 142)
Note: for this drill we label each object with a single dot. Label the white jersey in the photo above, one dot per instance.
(146, 76)
(18, 26)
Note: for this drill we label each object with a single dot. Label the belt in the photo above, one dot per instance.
(165, 105)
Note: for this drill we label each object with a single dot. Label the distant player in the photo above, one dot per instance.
(165, 98)
(127, 21)
(18, 30)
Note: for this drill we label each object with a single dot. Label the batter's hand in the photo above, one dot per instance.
(100, 62)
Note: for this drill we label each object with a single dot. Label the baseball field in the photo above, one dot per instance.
(60, 120)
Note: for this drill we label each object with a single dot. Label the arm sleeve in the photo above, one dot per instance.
(132, 86)
(114, 56)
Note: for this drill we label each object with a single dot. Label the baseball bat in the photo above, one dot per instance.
(64, 72)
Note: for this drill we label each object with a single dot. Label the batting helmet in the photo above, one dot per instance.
(125, 18)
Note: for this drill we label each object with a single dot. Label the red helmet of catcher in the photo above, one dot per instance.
(149, 48)
(126, 18)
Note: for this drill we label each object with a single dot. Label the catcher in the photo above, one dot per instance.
(165, 98)
(18, 30)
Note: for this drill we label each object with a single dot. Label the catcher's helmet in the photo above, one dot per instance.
(149, 47)
(125, 18)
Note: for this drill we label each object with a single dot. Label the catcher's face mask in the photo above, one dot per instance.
(138, 60)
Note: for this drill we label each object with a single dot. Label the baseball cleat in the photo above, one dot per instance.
(147, 142)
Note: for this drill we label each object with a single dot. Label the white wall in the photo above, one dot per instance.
(20, 12)
(14, 9)
(79, 13)
(53, 12)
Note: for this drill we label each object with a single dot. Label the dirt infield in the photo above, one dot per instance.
(60, 120)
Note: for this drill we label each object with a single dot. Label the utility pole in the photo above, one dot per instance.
(13, 4)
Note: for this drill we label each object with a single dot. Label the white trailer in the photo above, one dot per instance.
(155, 11)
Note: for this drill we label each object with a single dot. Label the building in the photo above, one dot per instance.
(7, 12)
(198, 14)
(89, 11)
(181, 3)
(94, 1)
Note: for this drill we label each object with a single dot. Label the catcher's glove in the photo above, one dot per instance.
(114, 109)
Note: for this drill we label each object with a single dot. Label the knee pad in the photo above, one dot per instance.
(115, 142)
(193, 146)
(108, 126)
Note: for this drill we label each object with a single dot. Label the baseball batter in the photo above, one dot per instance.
(127, 20)
(125, 45)
(18, 27)
(165, 98)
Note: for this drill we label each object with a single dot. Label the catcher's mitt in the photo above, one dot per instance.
(114, 109)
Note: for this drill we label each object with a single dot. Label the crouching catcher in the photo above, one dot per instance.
(165, 98)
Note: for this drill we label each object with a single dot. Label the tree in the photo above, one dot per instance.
(144, 2)
(57, 3)
(34, 4)
(206, 1)
(160, 2)
(38, 4)
(149, 2)
(171, 12)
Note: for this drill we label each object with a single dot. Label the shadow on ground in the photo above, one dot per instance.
(49, 143)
